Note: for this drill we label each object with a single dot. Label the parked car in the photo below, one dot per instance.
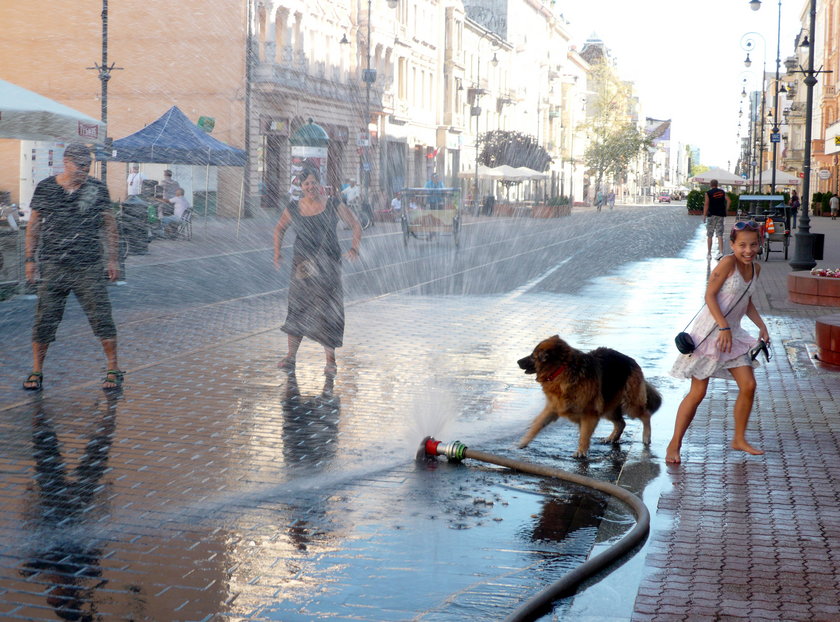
(664, 198)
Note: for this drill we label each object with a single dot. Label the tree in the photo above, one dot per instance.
(614, 140)
(515, 149)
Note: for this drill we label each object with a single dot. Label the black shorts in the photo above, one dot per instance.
(89, 285)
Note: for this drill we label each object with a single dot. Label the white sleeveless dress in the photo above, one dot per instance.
(707, 361)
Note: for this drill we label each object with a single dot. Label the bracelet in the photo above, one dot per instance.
(727, 328)
(29, 260)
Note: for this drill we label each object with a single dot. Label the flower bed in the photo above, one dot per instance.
(834, 273)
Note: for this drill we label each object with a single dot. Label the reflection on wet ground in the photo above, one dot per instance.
(216, 484)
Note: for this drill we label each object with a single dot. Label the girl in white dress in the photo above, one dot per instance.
(722, 345)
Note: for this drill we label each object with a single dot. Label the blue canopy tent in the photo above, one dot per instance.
(173, 139)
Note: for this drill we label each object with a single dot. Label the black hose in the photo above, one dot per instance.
(540, 603)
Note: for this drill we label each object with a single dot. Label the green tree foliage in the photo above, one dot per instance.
(697, 169)
(614, 140)
(512, 148)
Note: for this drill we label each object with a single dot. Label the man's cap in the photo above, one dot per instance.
(167, 172)
(78, 153)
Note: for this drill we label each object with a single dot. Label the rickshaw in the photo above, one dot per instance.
(428, 212)
(766, 209)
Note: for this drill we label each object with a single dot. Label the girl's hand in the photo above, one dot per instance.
(352, 254)
(764, 335)
(724, 340)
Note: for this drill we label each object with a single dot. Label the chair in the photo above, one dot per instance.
(185, 226)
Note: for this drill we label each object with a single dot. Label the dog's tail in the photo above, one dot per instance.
(654, 398)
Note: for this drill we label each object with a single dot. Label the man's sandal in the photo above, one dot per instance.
(114, 377)
(35, 378)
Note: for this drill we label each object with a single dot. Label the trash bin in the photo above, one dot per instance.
(819, 245)
(135, 221)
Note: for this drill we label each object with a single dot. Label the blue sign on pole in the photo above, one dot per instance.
(775, 137)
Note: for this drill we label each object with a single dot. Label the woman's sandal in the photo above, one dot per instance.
(114, 377)
(36, 379)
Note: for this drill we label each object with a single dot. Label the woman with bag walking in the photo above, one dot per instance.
(724, 349)
(316, 296)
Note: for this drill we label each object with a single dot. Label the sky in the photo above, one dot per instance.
(686, 59)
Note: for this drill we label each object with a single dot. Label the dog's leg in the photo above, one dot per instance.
(645, 419)
(588, 423)
(618, 426)
(543, 419)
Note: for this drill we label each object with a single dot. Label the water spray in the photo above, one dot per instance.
(539, 604)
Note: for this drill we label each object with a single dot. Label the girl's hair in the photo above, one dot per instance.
(739, 226)
(307, 170)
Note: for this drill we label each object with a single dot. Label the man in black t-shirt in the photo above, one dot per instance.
(715, 207)
(70, 213)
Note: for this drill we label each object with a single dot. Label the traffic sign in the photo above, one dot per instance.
(775, 137)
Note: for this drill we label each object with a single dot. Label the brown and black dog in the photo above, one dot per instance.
(586, 386)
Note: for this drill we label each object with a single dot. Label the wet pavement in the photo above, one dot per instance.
(217, 487)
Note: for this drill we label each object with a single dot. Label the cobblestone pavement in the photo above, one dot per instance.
(215, 487)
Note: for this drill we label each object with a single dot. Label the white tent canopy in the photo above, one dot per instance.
(25, 115)
(782, 178)
(724, 178)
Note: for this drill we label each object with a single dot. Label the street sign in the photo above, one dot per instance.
(837, 140)
(824, 173)
(775, 137)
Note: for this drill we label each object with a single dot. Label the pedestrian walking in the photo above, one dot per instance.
(715, 205)
(316, 297)
(834, 206)
(795, 204)
(724, 349)
(70, 217)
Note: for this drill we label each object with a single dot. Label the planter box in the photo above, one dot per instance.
(545, 211)
(500, 209)
(807, 289)
(695, 212)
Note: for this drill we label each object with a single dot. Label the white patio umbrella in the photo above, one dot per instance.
(782, 178)
(530, 173)
(484, 172)
(25, 115)
(724, 178)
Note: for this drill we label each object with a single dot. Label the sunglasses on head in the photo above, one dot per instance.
(748, 225)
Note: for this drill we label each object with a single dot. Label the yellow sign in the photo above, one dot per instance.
(837, 140)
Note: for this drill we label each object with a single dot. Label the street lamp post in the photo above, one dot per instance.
(748, 44)
(104, 71)
(774, 137)
(368, 77)
(803, 255)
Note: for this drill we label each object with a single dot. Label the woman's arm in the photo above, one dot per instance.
(755, 316)
(279, 232)
(350, 219)
(719, 275)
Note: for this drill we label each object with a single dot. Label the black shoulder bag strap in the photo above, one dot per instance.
(741, 297)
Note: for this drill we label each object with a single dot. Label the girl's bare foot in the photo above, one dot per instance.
(672, 454)
(745, 446)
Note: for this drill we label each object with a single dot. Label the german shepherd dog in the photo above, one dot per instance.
(586, 386)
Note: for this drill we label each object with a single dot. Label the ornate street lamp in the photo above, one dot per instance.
(803, 255)
(104, 70)
(774, 136)
(369, 77)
